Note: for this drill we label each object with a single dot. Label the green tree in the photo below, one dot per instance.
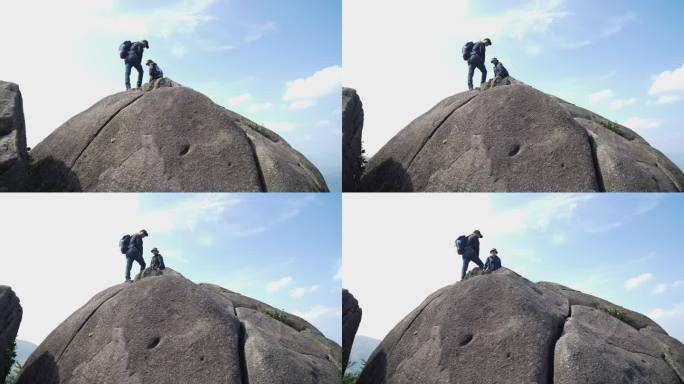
(13, 376)
(8, 361)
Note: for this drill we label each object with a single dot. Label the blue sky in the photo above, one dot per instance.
(624, 248)
(282, 249)
(621, 59)
(277, 63)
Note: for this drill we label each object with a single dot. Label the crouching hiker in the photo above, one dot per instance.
(154, 71)
(132, 247)
(500, 71)
(157, 261)
(493, 261)
(469, 249)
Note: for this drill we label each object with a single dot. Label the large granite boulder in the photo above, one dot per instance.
(13, 154)
(351, 318)
(500, 325)
(166, 329)
(167, 138)
(352, 127)
(10, 318)
(511, 137)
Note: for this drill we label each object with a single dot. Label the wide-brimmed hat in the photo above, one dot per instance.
(487, 39)
(492, 251)
(144, 232)
(147, 44)
(477, 232)
(149, 61)
(153, 250)
(494, 60)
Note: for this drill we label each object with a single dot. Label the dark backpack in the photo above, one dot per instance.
(461, 244)
(124, 48)
(467, 50)
(124, 243)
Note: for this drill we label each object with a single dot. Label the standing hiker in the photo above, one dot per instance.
(154, 71)
(493, 261)
(474, 53)
(135, 252)
(132, 53)
(469, 249)
(500, 71)
(157, 261)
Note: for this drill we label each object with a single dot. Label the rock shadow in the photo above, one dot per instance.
(389, 176)
(375, 370)
(43, 370)
(52, 175)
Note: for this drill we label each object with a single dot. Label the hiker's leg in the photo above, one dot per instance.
(471, 73)
(483, 69)
(141, 261)
(476, 260)
(129, 265)
(464, 269)
(138, 68)
(128, 76)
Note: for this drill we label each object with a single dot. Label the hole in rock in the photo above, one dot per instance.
(465, 340)
(185, 149)
(514, 150)
(508, 355)
(153, 343)
(201, 358)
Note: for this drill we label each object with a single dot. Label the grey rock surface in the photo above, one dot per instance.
(500, 325)
(352, 128)
(10, 318)
(166, 329)
(167, 138)
(13, 153)
(512, 137)
(351, 318)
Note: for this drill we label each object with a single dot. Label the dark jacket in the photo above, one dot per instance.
(479, 49)
(474, 243)
(135, 53)
(157, 262)
(500, 71)
(493, 263)
(136, 243)
(155, 72)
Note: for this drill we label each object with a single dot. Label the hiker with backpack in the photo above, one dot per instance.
(157, 261)
(132, 247)
(154, 71)
(500, 71)
(469, 249)
(474, 54)
(132, 54)
(493, 261)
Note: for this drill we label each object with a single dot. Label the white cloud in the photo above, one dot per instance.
(249, 232)
(186, 215)
(617, 24)
(257, 107)
(298, 292)
(600, 228)
(664, 287)
(601, 95)
(257, 31)
(668, 81)
(277, 285)
(316, 312)
(635, 281)
(281, 126)
(668, 99)
(300, 104)
(303, 92)
(239, 99)
(618, 104)
(338, 275)
(637, 123)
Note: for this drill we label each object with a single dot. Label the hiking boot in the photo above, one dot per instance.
(128, 281)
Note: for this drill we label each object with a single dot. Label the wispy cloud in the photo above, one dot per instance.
(668, 99)
(614, 25)
(637, 123)
(257, 31)
(601, 95)
(240, 99)
(280, 284)
(188, 214)
(635, 281)
(618, 104)
(664, 287)
(281, 126)
(674, 312)
(299, 292)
